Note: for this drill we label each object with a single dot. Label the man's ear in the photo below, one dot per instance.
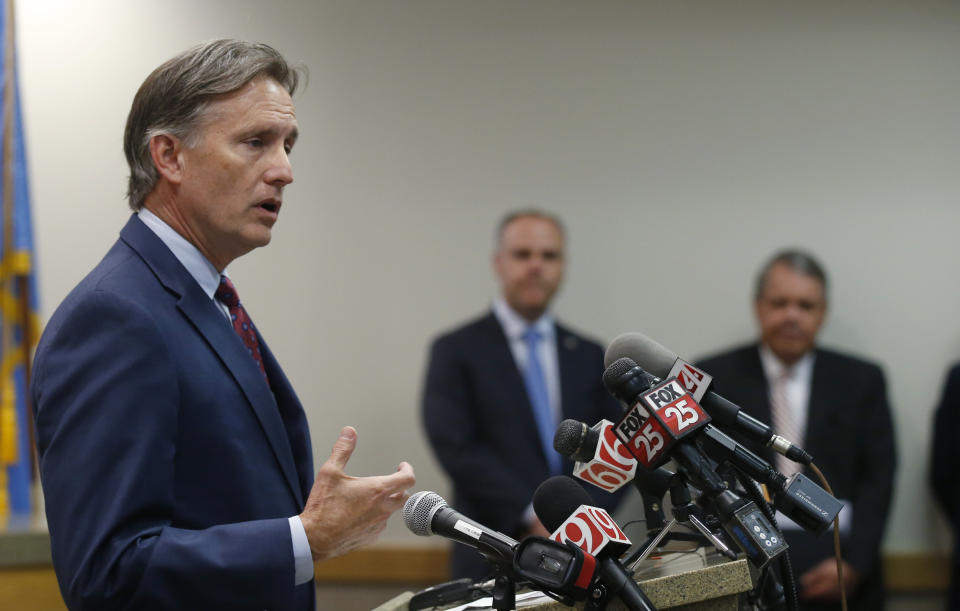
(165, 153)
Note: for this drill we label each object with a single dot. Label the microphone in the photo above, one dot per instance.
(650, 433)
(591, 528)
(662, 417)
(426, 513)
(661, 362)
(558, 567)
(577, 441)
(563, 506)
(600, 458)
(657, 417)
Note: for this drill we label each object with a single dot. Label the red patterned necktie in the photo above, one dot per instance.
(227, 294)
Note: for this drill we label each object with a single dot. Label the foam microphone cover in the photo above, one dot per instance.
(626, 380)
(576, 440)
(653, 357)
(556, 498)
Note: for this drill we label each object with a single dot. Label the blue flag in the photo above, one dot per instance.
(18, 295)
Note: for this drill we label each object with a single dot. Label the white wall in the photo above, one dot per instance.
(681, 142)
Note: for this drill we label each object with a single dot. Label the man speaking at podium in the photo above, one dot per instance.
(174, 454)
(497, 387)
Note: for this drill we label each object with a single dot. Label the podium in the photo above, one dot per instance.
(686, 581)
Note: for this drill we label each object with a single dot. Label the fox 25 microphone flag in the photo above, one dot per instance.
(18, 296)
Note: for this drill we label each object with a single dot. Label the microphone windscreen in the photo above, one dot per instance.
(626, 380)
(556, 498)
(613, 372)
(653, 357)
(419, 509)
(573, 440)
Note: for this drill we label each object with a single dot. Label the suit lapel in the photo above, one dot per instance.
(293, 416)
(567, 344)
(753, 391)
(211, 324)
(512, 380)
(755, 387)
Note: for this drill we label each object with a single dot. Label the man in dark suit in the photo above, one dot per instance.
(175, 456)
(945, 470)
(497, 387)
(832, 404)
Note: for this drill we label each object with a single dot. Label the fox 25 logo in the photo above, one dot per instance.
(664, 414)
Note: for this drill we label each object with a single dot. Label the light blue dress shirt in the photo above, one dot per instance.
(514, 326)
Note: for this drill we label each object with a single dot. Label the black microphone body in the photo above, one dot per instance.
(652, 486)
(619, 583)
(727, 448)
(730, 414)
(450, 523)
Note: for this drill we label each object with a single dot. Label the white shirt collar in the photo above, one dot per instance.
(773, 367)
(192, 259)
(514, 325)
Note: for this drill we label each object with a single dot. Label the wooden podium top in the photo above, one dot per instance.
(691, 581)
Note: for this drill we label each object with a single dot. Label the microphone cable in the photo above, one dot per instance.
(836, 538)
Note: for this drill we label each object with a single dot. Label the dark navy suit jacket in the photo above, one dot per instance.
(169, 466)
(850, 435)
(945, 470)
(481, 426)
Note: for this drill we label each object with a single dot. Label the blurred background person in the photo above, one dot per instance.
(835, 406)
(497, 387)
(945, 470)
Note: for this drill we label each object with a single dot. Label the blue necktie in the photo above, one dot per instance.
(536, 384)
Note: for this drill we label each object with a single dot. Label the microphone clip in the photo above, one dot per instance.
(562, 570)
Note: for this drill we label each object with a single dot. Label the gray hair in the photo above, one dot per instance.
(797, 260)
(174, 98)
(526, 213)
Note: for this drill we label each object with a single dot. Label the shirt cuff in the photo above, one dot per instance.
(302, 558)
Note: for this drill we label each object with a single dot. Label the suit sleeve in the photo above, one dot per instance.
(945, 454)
(448, 411)
(876, 464)
(107, 401)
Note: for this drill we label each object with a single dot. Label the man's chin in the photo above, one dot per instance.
(790, 352)
(261, 236)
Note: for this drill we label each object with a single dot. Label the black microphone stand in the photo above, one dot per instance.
(504, 590)
(684, 511)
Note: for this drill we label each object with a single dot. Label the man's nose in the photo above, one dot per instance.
(280, 171)
(794, 312)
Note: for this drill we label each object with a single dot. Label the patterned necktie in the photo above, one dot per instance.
(536, 384)
(242, 325)
(783, 420)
